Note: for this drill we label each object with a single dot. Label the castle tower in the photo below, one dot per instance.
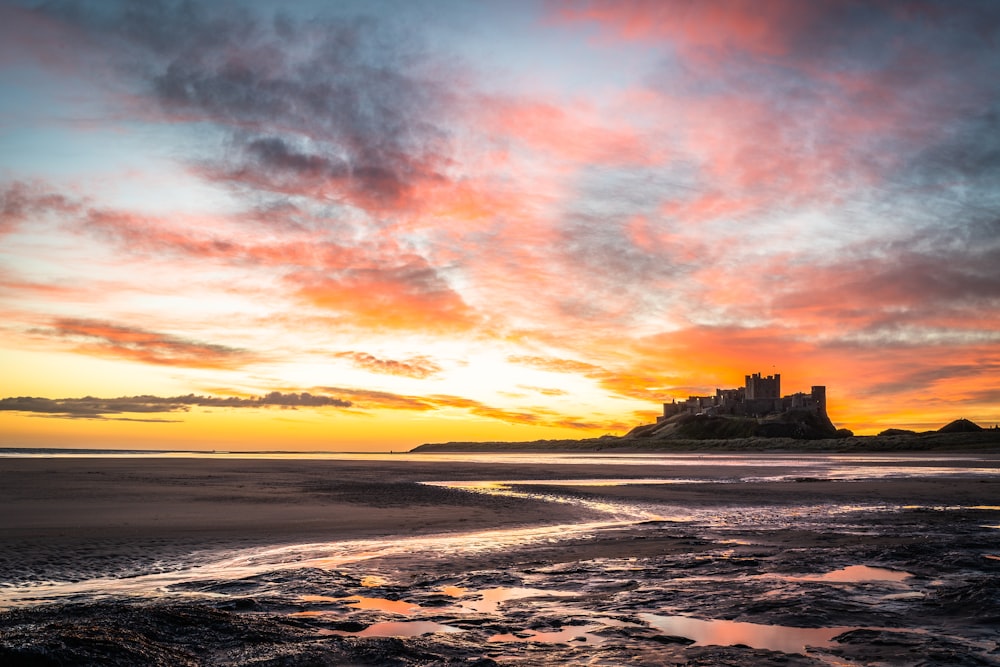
(758, 387)
(819, 395)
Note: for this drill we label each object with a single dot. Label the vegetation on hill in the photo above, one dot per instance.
(796, 424)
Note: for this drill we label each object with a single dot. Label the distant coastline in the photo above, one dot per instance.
(987, 440)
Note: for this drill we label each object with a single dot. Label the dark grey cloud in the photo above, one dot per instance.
(100, 408)
(346, 106)
(968, 154)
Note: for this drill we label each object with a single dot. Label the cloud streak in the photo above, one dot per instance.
(99, 408)
(415, 367)
(115, 340)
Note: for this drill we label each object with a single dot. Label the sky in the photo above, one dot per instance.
(367, 225)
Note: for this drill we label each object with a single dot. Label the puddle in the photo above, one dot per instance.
(382, 604)
(396, 629)
(358, 602)
(782, 638)
(489, 600)
(858, 573)
(506, 484)
(852, 574)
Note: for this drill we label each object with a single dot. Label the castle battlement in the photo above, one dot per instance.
(760, 396)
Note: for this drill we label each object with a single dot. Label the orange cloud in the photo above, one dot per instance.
(363, 399)
(367, 399)
(406, 296)
(415, 367)
(556, 365)
(112, 340)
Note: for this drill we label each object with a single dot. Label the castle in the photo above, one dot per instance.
(760, 396)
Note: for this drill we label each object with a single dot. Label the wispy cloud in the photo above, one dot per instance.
(415, 367)
(533, 416)
(115, 340)
(99, 408)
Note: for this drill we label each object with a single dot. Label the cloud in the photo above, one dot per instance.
(100, 408)
(22, 202)
(396, 295)
(343, 107)
(573, 132)
(363, 399)
(556, 365)
(376, 285)
(415, 367)
(782, 106)
(545, 391)
(114, 340)
(631, 382)
(367, 399)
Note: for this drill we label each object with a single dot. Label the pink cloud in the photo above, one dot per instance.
(573, 133)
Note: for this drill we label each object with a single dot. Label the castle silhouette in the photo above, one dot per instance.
(760, 396)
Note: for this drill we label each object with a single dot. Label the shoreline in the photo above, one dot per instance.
(987, 440)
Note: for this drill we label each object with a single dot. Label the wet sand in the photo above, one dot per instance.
(66, 518)
(74, 517)
(754, 556)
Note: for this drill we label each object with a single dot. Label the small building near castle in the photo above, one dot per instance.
(760, 396)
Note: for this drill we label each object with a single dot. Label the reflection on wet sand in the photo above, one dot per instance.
(489, 600)
(396, 629)
(859, 573)
(730, 633)
(381, 604)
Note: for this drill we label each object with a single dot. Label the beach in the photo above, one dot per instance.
(530, 559)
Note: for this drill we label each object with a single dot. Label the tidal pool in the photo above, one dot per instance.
(782, 638)
(396, 629)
